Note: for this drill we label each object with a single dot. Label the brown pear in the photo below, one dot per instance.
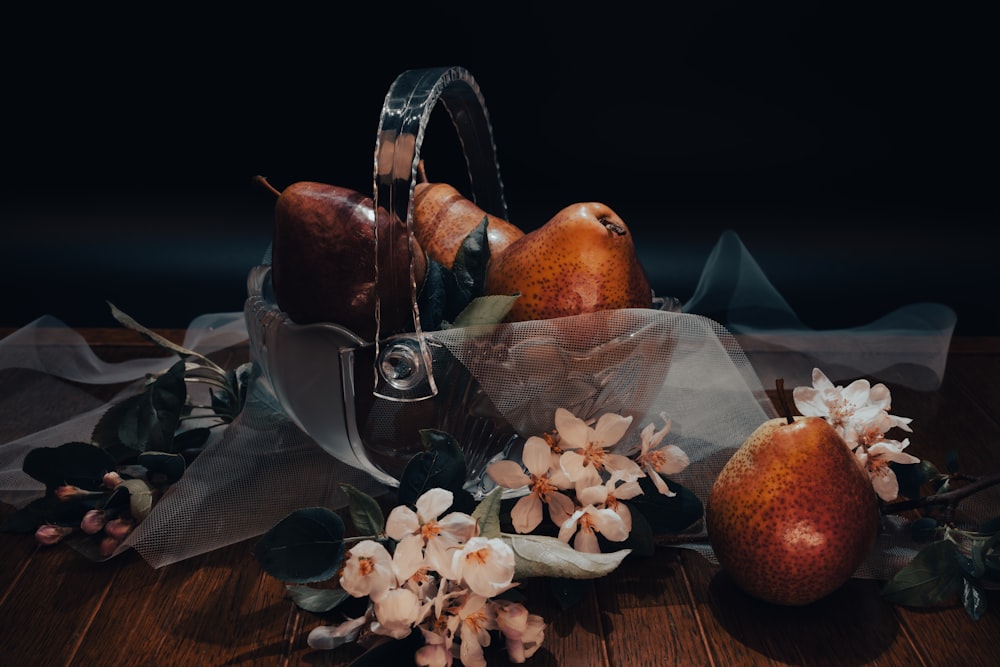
(443, 217)
(323, 260)
(792, 514)
(582, 260)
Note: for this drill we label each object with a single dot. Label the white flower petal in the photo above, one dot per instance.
(537, 455)
(508, 474)
(610, 428)
(402, 521)
(432, 503)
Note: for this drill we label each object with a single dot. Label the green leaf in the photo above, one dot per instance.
(667, 514)
(192, 439)
(471, 260)
(440, 465)
(75, 463)
(366, 515)
(487, 514)
(911, 476)
(154, 337)
(304, 547)
(30, 517)
(924, 529)
(485, 310)
(640, 538)
(317, 600)
(146, 421)
(973, 600)
(951, 463)
(933, 577)
(542, 556)
(163, 464)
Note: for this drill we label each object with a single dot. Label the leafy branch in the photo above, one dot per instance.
(140, 445)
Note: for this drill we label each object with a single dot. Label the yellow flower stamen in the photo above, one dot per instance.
(365, 566)
(479, 556)
(430, 529)
(542, 486)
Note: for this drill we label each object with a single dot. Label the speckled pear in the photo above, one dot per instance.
(792, 514)
(582, 260)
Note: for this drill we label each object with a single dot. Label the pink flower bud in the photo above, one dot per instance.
(111, 479)
(48, 534)
(118, 528)
(109, 545)
(93, 521)
(69, 492)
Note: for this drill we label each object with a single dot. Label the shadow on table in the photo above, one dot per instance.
(851, 626)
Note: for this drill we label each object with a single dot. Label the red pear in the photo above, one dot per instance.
(792, 514)
(323, 260)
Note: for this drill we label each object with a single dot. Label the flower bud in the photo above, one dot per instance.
(111, 479)
(70, 492)
(93, 521)
(119, 528)
(109, 545)
(48, 534)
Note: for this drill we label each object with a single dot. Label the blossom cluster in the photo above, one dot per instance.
(109, 526)
(859, 412)
(442, 579)
(575, 473)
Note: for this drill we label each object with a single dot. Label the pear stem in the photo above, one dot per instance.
(949, 499)
(785, 410)
(262, 181)
(612, 226)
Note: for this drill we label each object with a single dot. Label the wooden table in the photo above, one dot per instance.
(58, 608)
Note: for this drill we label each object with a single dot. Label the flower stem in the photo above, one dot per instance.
(948, 499)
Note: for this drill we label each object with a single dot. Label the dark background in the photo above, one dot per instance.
(852, 149)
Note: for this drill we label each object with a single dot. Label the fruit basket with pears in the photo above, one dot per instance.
(420, 307)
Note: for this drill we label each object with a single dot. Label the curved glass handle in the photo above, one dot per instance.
(403, 367)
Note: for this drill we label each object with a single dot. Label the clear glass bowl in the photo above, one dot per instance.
(365, 402)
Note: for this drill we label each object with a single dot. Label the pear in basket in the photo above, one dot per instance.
(323, 260)
(582, 260)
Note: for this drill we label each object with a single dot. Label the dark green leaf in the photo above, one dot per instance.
(366, 515)
(397, 652)
(169, 467)
(640, 538)
(667, 514)
(306, 546)
(471, 261)
(973, 600)
(933, 577)
(75, 463)
(317, 600)
(30, 517)
(951, 463)
(924, 529)
(567, 592)
(911, 476)
(192, 439)
(991, 526)
(146, 421)
(440, 465)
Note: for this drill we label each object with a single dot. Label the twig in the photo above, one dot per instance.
(949, 499)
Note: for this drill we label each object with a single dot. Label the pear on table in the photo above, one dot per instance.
(792, 514)
(582, 260)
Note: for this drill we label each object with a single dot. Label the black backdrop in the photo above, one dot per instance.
(853, 150)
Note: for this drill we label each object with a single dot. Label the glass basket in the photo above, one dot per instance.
(365, 402)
